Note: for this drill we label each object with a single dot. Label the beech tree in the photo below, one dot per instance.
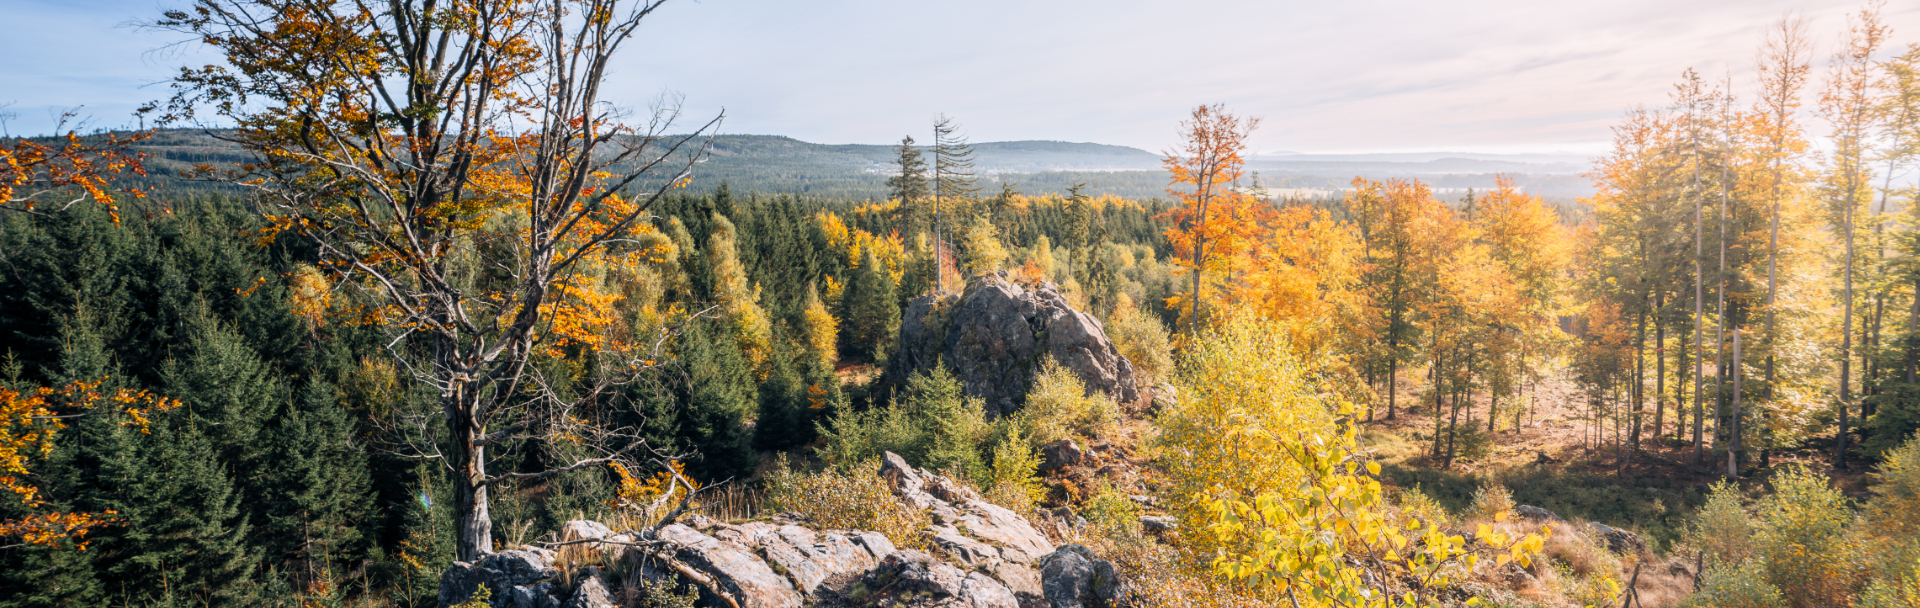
(461, 173)
(1208, 161)
(1847, 103)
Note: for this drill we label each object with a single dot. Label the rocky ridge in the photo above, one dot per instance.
(993, 336)
(982, 556)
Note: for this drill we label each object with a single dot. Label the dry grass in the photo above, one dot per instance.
(857, 499)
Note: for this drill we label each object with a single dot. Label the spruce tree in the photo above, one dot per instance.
(229, 390)
(716, 394)
(317, 489)
(184, 534)
(909, 189)
(870, 314)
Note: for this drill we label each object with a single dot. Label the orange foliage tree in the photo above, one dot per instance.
(462, 175)
(1212, 212)
(46, 177)
(29, 420)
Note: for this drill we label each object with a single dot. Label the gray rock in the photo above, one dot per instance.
(1022, 580)
(966, 551)
(875, 543)
(503, 573)
(1536, 513)
(807, 558)
(1158, 524)
(591, 593)
(1073, 577)
(1164, 397)
(913, 578)
(1060, 454)
(1015, 537)
(1618, 540)
(993, 337)
(537, 595)
(733, 567)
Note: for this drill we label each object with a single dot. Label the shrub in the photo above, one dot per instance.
(1142, 339)
(1417, 504)
(1272, 485)
(1896, 589)
(1895, 510)
(1059, 406)
(855, 498)
(1113, 512)
(932, 424)
(1735, 585)
(1804, 540)
(1722, 529)
(1014, 482)
(1490, 501)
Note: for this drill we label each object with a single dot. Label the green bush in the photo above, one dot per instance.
(1806, 542)
(1722, 529)
(1059, 406)
(1729, 585)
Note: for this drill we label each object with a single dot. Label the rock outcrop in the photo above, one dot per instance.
(1075, 578)
(980, 555)
(993, 336)
(514, 579)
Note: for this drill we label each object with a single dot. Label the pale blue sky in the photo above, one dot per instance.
(1366, 75)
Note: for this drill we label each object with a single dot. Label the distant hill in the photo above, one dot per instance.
(778, 164)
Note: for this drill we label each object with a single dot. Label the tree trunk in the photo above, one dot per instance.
(1393, 373)
(1660, 368)
(1733, 447)
(469, 463)
(1846, 346)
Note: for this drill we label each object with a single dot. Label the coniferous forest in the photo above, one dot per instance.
(428, 305)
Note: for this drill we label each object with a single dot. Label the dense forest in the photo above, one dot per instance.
(263, 367)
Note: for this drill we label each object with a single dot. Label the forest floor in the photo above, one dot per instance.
(1558, 429)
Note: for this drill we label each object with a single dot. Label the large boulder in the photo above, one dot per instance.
(913, 578)
(514, 579)
(993, 337)
(1073, 577)
(734, 568)
(810, 559)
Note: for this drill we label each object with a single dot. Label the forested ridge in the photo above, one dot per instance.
(259, 366)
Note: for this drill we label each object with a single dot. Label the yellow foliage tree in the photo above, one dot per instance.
(1271, 475)
(820, 328)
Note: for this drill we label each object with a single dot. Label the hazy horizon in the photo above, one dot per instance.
(1486, 77)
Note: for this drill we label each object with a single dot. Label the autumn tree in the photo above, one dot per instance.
(1783, 73)
(1846, 102)
(459, 170)
(1204, 168)
(47, 176)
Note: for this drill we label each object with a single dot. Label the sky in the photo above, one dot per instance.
(1491, 76)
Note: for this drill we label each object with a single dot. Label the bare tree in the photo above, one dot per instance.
(458, 165)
